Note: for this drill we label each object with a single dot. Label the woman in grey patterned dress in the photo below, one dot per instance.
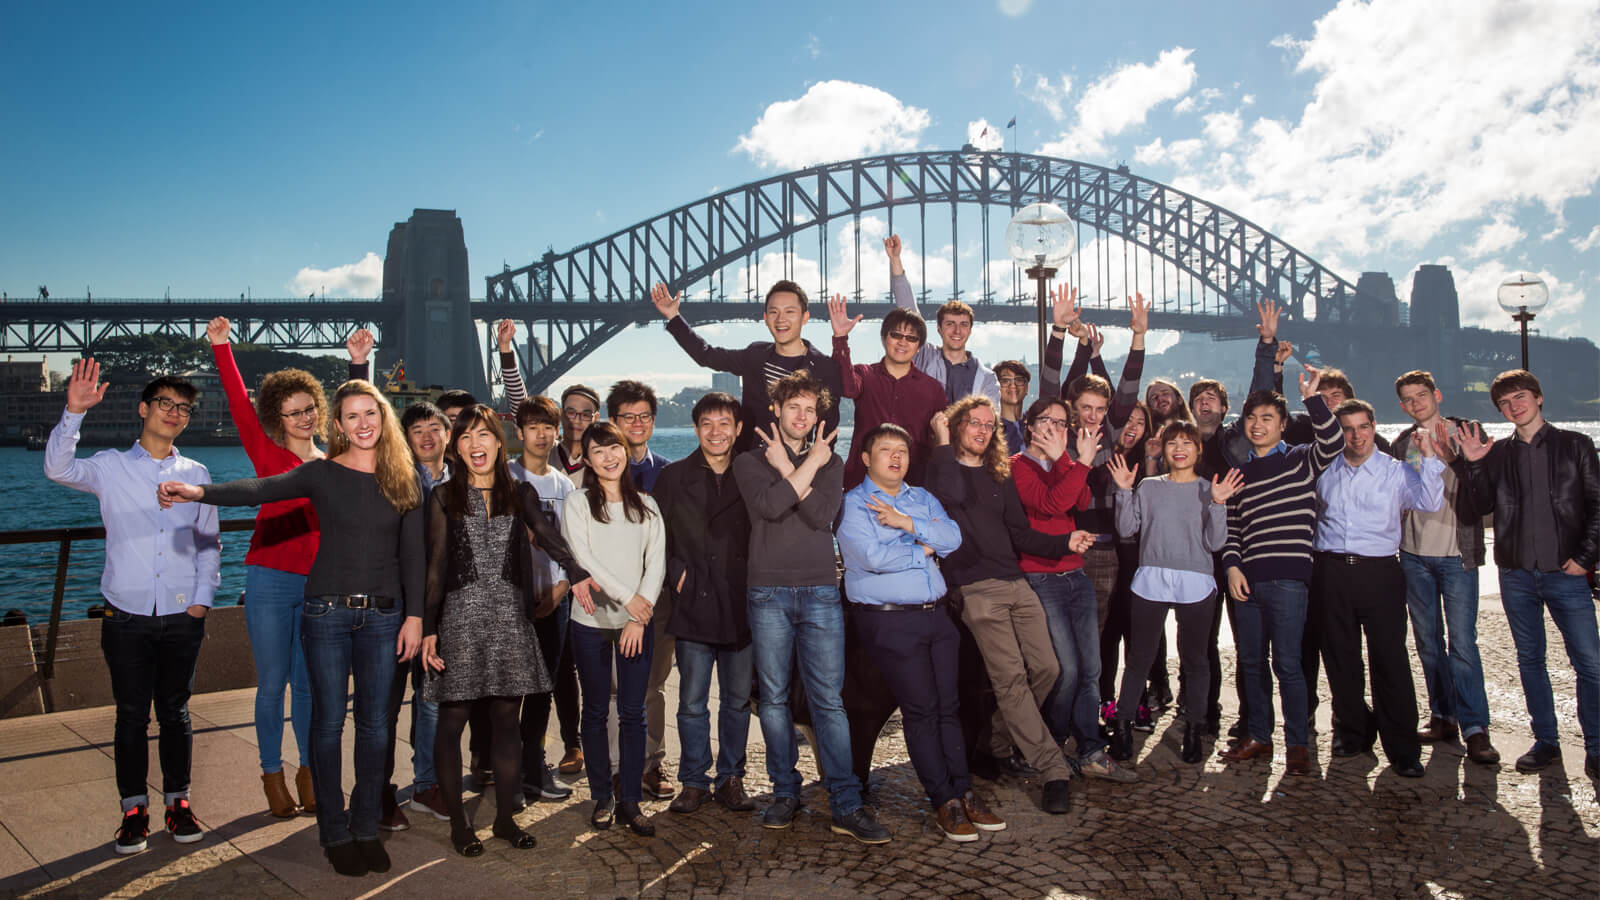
(478, 636)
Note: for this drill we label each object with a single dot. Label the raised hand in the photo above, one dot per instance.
(1139, 308)
(359, 346)
(1424, 441)
(1096, 339)
(1268, 311)
(777, 454)
(823, 445)
(1064, 307)
(1442, 442)
(1224, 490)
(1282, 354)
(892, 247)
(839, 318)
(1473, 442)
(665, 302)
(1053, 441)
(505, 331)
(1310, 379)
(84, 390)
(1121, 475)
(430, 654)
(217, 330)
(1087, 444)
(889, 517)
(940, 423)
(1238, 587)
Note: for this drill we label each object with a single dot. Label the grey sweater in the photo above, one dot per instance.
(791, 540)
(1164, 513)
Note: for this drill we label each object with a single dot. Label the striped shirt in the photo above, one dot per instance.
(1272, 520)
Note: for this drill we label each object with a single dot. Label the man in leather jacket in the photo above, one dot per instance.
(1543, 484)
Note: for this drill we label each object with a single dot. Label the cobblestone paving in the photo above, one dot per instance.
(1183, 831)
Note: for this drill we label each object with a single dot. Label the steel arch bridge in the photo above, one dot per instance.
(573, 302)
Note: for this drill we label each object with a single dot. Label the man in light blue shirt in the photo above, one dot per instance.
(950, 363)
(162, 570)
(888, 536)
(1361, 499)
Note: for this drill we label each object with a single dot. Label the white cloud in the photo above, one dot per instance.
(1122, 100)
(1013, 8)
(1178, 153)
(1222, 129)
(833, 120)
(1587, 242)
(1494, 237)
(358, 279)
(984, 136)
(1051, 97)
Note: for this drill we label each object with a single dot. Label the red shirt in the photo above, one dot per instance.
(287, 534)
(908, 401)
(1050, 497)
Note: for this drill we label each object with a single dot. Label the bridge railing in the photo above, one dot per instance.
(63, 539)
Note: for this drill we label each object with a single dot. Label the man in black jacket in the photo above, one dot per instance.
(708, 534)
(1543, 484)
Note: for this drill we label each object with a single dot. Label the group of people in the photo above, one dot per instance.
(983, 539)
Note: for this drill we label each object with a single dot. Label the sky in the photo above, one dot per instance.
(214, 149)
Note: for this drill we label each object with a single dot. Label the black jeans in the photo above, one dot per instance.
(1367, 597)
(151, 659)
(1147, 622)
(552, 634)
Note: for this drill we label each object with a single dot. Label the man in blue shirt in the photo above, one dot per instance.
(1361, 499)
(162, 570)
(888, 536)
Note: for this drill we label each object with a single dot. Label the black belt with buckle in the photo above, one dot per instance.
(360, 601)
(899, 607)
(1351, 559)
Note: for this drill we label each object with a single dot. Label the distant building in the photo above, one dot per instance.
(115, 421)
(24, 376)
(726, 382)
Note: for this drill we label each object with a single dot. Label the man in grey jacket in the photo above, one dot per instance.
(949, 364)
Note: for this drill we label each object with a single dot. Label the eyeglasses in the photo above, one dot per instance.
(635, 418)
(1052, 420)
(168, 405)
(906, 336)
(984, 427)
(578, 415)
(1012, 381)
(309, 412)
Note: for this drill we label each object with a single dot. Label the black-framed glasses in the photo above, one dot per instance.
(166, 404)
(579, 415)
(643, 418)
(309, 412)
(1012, 381)
(1052, 420)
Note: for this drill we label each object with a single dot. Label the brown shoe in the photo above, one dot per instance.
(731, 795)
(307, 791)
(979, 814)
(1480, 751)
(279, 803)
(1299, 762)
(953, 822)
(1438, 730)
(1250, 749)
(572, 763)
(657, 785)
(689, 799)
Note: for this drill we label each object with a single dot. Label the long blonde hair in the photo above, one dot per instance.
(396, 474)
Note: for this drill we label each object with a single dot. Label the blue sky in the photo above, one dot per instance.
(213, 150)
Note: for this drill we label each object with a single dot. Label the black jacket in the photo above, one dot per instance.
(1469, 518)
(708, 539)
(1574, 494)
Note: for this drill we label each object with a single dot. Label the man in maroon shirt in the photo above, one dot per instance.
(890, 390)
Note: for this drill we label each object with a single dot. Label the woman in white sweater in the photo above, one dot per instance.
(617, 534)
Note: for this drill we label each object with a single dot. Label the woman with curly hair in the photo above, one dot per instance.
(279, 433)
(369, 567)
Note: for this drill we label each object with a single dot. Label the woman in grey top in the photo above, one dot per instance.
(478, 637)
(1182, 520)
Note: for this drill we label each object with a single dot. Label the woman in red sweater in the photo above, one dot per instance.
(279, 432)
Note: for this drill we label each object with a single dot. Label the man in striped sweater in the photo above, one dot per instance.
(1271, 523)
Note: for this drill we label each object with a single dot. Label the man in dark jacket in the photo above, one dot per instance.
(708, 533)
(1543, 484)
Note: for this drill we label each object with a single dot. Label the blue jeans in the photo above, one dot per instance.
(1453, 670)
(1071, 613)
(734, 673)
(810, 618)
(1523, 593)
(424, 728)
(1273, 621)
(272, 601)
(338, 642)
(592, 650)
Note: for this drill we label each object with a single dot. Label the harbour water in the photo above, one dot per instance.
(28, 570)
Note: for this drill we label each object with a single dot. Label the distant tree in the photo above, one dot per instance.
(256, 360)
(136, 358)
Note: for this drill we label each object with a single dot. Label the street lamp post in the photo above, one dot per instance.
(1523, 296)
(1041, 237)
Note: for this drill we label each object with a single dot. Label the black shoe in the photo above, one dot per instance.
(547, 788)
(181, 824)
(604, 812)
(346, 859)
(1411, 769)
(1015, 766)
(985, 766)
(1192, 750)
(516, 837)
(1346, 747)
(132, 832)
(1211, 729)
(634, 818)
(1057, 797)
(1143, 720)
(1121, 748)
(373, 854)
(781, 813)
(466, 842)
(861, 826)
(1239, 730)
(1161, 693)
(1538, 757)
(1591, 766)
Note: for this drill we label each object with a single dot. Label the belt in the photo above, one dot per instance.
(1352, 559)
(899, 607)
(359, 601)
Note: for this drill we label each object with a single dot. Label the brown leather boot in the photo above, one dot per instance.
(307, 791)
(279, 803)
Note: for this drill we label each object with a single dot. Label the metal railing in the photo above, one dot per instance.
(63, 537)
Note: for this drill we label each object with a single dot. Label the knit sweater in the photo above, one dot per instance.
(1052, 498)
(1164, 513)
(624, 558)
(1272, 520)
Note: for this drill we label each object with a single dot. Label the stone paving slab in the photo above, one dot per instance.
(1214, 830)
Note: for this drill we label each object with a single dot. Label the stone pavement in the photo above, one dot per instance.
(1213, 830)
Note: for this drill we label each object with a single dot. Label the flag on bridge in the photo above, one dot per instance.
(1012, 123)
